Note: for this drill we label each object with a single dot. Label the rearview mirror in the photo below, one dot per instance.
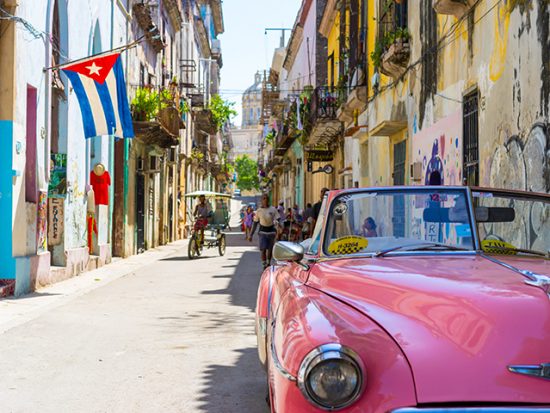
(495, 214)
(288, 251)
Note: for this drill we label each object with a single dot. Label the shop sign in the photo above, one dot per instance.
(317, 155)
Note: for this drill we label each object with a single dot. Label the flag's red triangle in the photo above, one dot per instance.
(96, 68)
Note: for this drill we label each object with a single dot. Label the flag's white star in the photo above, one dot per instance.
(94, 69)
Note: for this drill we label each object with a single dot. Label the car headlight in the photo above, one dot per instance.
(331, 377)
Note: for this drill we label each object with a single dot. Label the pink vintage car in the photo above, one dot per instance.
(412, 299)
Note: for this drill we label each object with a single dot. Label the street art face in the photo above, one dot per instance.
(439, 149)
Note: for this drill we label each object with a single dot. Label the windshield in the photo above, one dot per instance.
(507, 221)
(369, 222)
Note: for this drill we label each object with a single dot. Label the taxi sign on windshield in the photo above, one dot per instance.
(348, 245)
(496, 246)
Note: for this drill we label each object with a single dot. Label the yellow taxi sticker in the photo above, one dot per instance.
(496, 246)
(348, 245)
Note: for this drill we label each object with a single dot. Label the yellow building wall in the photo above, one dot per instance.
(334, 47)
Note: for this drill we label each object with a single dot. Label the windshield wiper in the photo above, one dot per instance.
(513, 249)
(424, 246)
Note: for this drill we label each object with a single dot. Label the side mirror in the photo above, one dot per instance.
(288, 251)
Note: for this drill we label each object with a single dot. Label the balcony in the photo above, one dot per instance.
(396, 58)
(457, 8)
(204, 120)
(143, 16)
(326, 127)
(156, 119)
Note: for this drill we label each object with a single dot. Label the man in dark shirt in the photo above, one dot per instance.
(317, 205)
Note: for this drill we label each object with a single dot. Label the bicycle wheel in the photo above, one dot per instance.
(221, 245)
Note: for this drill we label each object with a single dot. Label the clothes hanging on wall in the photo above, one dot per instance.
(101, 184)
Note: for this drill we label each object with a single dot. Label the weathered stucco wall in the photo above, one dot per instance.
(504, 54)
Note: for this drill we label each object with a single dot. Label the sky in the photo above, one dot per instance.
(245, 46)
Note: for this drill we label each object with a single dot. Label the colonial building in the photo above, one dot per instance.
(52, 227)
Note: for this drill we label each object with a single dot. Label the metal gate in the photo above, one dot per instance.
(471, 139)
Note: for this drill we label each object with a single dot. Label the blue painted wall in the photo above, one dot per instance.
(7, 262)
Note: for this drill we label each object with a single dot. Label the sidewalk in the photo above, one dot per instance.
(17, 311)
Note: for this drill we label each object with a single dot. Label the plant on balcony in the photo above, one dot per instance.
(222, 111)
(196, 155)
(147, 103)
(401, 34)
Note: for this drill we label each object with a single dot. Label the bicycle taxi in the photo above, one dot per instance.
(211, 234)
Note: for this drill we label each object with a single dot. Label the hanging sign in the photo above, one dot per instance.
(56, 221)
(318, 155)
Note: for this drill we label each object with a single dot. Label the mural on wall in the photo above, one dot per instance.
(439, 149)
(58, 176)
(42, 222)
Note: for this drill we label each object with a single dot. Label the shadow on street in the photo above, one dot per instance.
(227, 389)
(243, 286)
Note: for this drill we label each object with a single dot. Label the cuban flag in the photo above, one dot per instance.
(101, 91)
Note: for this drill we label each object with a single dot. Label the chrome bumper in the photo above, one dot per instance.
(473, 410)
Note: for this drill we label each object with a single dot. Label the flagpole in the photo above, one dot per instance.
(117, 49)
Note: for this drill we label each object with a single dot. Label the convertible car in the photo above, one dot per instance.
(411, 299)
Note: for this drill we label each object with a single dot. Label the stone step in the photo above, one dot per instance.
(93, 263)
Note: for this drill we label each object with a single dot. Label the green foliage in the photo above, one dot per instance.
(380, 47)
(147, 103)
(197, 154)
(247, 173)
(222, 110)
(184, 107)
(270, 138)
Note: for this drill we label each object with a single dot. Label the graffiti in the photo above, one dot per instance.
(56, 221)
(439, 149)
(42, 222)
(523, 165)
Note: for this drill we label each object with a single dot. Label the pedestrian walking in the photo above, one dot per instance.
(265, 217)
(248, 221)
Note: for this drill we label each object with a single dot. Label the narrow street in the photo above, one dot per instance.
(174, 336)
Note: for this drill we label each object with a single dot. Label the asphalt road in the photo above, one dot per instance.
(172, 336)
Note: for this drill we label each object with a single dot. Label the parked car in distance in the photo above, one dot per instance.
(237, 192)
(411, 299)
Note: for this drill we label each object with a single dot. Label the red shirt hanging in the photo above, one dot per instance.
(101, 187)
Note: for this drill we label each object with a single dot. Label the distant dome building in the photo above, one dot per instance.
(252, 103)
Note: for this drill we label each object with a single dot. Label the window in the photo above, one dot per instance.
(471, 139)
(392, 16)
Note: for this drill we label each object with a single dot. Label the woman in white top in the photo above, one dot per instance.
(265, 216)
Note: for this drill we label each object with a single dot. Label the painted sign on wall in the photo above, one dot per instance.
(42, 222)
(439, 149)
(58, 176)
(56, 221)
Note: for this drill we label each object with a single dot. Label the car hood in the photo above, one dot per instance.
(460, 321)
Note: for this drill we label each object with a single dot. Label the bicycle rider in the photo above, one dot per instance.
(202, 212)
